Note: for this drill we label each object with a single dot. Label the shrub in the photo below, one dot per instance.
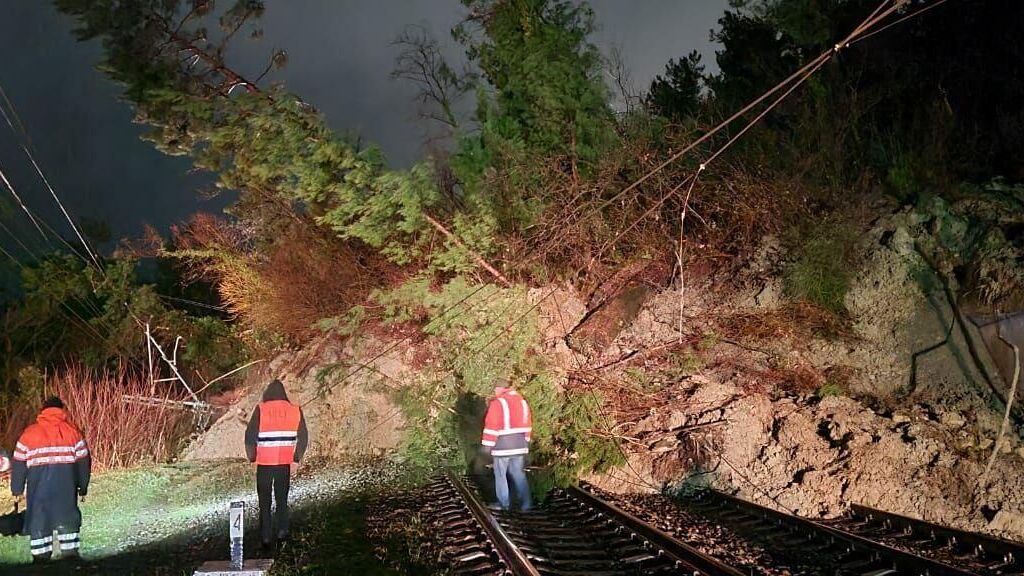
(831, 388)
(821, 273)
(120, 434)
(285, 288)
(493, 335)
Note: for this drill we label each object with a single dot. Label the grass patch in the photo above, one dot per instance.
(829, 389)
(822, 270)
(167, 520)
(127, 507)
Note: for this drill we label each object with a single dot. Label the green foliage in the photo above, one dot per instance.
(543, 110)
(492, 337)
(977, 237)
(821, 272)
(677, 94)
(68, 309)
(549, 95)
(829, 389)
(345, 325)
(273, 149)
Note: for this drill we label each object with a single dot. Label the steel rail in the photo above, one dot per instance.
(982, 546)
(693, 560)
(902, 561)
(510, 554)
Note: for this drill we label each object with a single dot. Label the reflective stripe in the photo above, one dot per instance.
(526, 410)
(45, 550)
(504, 412)
(278, 435)
(67, 537)
(70, 545)
(510, 452)
(487, 442)
(508, 431)
(44, 460)
(51, 450)
(21, 446)
(53, 454)
(41, 541)
(276, 443)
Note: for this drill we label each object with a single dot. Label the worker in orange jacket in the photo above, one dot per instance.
(508, 425)
(52, 460)
(275, 441)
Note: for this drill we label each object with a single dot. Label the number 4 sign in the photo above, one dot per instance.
(237, 530)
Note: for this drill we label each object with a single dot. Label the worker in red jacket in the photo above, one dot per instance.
(52, 459)
(275, 441)
(507, 428)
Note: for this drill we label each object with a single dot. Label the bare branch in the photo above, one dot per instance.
(439, 86)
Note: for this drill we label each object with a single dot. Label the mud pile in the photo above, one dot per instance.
(909, 431)
(343, 387)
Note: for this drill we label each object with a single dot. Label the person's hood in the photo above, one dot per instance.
(52, 415)
(274, 391)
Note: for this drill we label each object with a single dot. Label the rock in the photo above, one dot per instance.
(1020, 451)
(677, 419)
(985, 444)
(770, 296)
(1008, 522)
(664, 445)
(900, 418)
(952, 419)
(901, 241)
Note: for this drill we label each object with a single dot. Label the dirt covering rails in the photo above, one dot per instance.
(709, 537)
(811, 457)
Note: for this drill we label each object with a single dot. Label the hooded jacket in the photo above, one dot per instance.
(264, 437)
(52, 460)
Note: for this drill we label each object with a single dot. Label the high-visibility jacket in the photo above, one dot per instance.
(278, 433)
(508, 425)
(52, 460)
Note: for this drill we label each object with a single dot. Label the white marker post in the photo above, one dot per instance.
(237, 533)
(237, 565)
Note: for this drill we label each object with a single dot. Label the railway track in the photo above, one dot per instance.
(578, 532)
(867, 542)
(575, 533)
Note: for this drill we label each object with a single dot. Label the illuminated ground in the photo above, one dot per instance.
(167, 520)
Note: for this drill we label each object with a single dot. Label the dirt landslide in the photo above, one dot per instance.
(343, 387)
(895, 414)
(719, 380)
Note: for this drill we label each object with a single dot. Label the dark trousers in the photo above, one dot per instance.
(272, 483)
(44, 545)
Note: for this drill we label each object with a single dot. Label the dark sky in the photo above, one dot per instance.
(340, 59)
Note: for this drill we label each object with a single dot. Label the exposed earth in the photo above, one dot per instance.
(896, 412)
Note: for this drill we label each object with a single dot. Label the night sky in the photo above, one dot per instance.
(340, 60)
